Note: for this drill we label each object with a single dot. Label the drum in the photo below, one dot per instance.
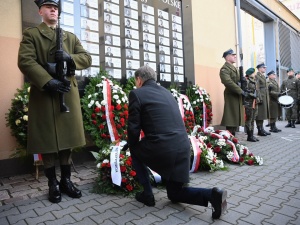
(286, 101)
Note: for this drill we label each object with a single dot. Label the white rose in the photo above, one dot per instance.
(103, 102)
(18, 122)
(105, 161)
(25, 109)
(119, 102)
(116, 97)
(25, 117)
(98, 165)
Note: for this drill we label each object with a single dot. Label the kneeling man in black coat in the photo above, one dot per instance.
(165, 148)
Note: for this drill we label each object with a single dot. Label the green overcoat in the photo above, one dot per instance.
(274, 91)
(263, 103)
(50, 130)
(233, 115)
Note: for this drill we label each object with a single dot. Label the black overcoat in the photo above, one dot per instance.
(165, 147)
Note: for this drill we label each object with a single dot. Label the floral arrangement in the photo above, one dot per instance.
(105, 110)
(17, 119)
(104, 184)
(201, 104)
(186, 110)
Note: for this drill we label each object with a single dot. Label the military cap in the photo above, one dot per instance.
(228, 52)
(260, 65)
(250, 71)
(290, 69)
(40, 3)
(271, 72)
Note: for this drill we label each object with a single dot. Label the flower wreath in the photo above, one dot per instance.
(17, 119)
(105, 107)
(201, 104)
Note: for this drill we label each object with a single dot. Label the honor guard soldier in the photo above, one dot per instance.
(263, 101)
(274, 93)
(291, 86)
(233, 114)
(51, 131)
(250, 104)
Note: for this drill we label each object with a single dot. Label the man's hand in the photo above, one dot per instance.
(57, 86)
(61, 55)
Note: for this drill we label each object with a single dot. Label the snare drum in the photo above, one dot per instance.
(286, 101)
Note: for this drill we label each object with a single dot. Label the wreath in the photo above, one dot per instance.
(17, 119)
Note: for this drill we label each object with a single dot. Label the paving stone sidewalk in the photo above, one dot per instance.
(268, 194)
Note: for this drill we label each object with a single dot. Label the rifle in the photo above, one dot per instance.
(243, 82)
(61, 65)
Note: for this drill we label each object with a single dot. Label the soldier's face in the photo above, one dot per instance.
(231, 58)
(49, 14)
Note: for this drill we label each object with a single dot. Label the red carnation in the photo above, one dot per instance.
(132, 173)
(123, 168)
(103, 108)
(245, 151)
(103, 117)
(94, 116)
(187, 112)
(191, 113)
(126, 113)
(112, 108)
(124, 180)
(97, 109)
(122, 156)
(125, 106)
(250, 162)
(94, 122)
(235, 140)
(128, 162)
(129, 187)
(101, 126)
(217, 149)
(118, 107)
(209, 145)
(241, 159)
(108, 164)
(197, 108)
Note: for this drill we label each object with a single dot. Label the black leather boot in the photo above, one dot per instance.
(293, 124)
(218, 202)
(266, 132)
(54, 192)
(273, 129)
(66, 185)
(250, 136)
(276, 127)
(260, 131)
(289, 124)
(255, 138)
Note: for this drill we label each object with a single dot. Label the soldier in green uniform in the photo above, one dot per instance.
(51, 132)
(274, 93)
(292, 88)
(263, 101)
(250, 104)
(297, 75)
(233, 114)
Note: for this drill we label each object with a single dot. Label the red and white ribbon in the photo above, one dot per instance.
(115, 164)
(180, 104)
(108, 112)
(197, 153)
(204, 110)
(236, 157)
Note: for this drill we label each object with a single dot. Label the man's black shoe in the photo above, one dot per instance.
(66, 186)
(218, 202)
(54, 192)
(147, 200)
